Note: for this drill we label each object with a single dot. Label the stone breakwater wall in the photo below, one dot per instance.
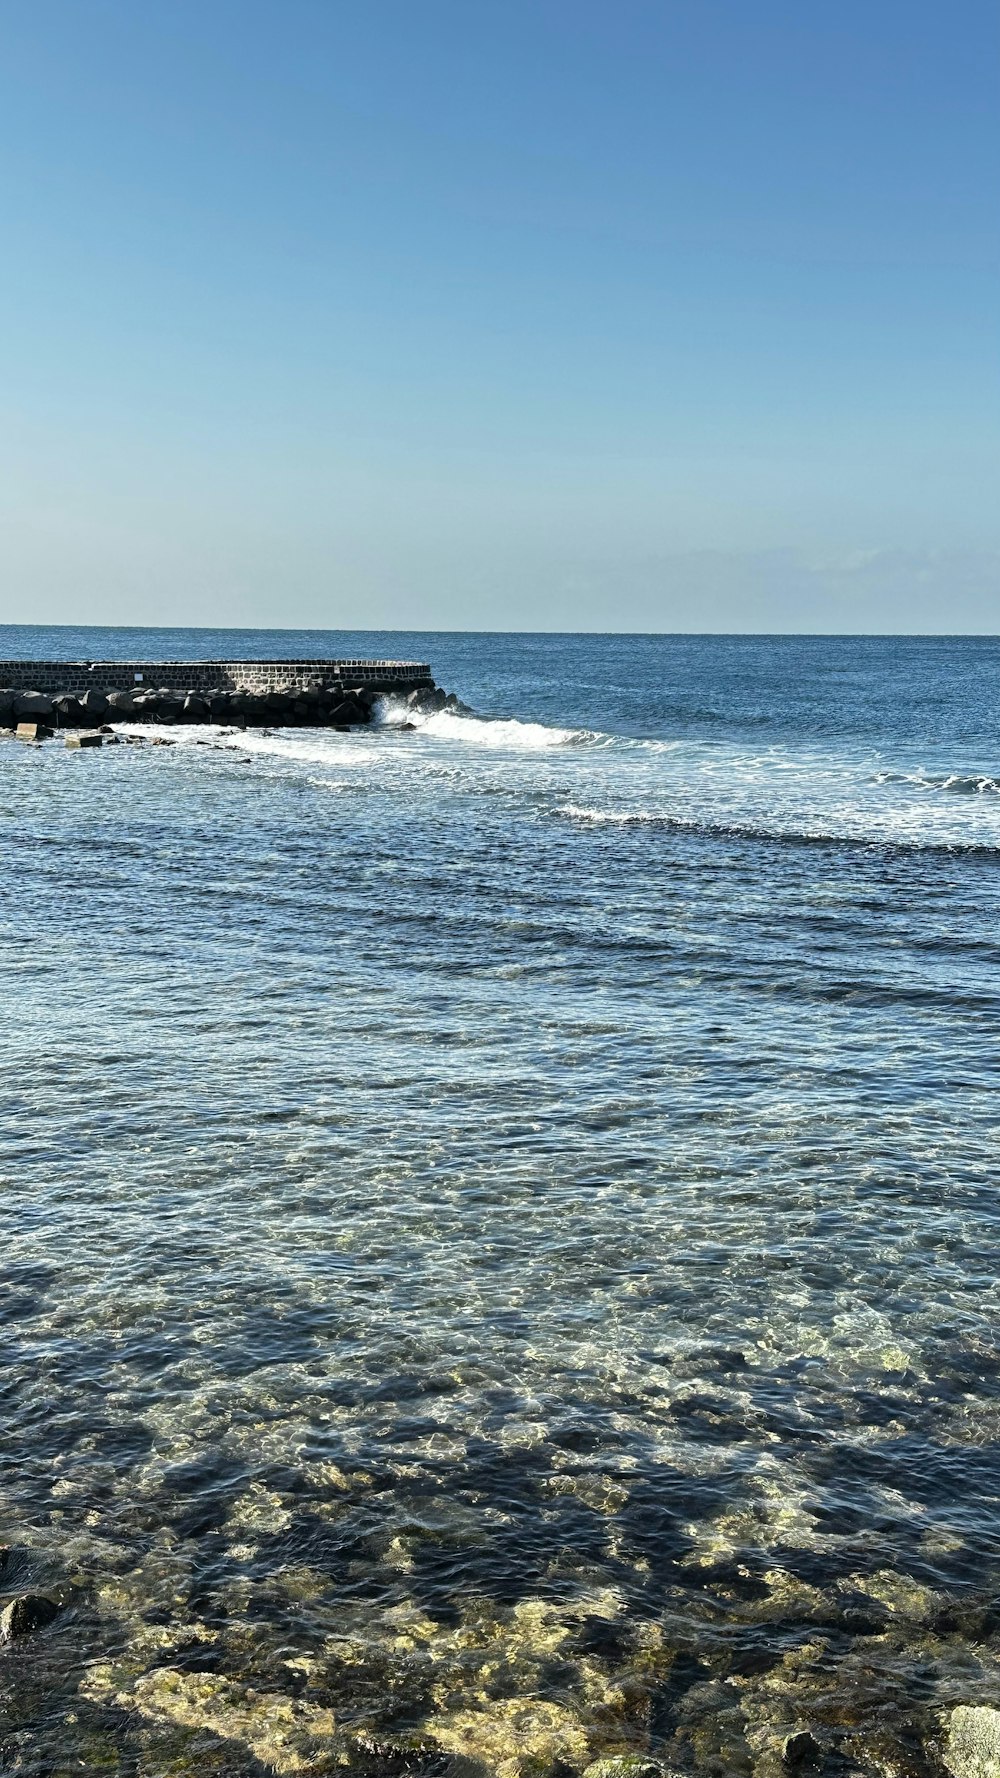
(55, 677)
(304, 694)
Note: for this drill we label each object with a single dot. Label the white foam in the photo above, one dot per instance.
(310, 747)
(479, 731)
(313, 749)
(618, 817)
(819, 792)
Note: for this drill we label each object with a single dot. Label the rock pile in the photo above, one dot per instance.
(318, 704)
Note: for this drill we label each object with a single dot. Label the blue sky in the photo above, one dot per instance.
(653, 314)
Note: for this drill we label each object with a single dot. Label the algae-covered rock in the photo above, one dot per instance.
(972, 1749)
(513, 1736)
(283, 1733)
(626, 1765)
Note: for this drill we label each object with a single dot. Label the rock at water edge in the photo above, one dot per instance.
(31, 1612)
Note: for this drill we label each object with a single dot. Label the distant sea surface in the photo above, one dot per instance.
(498, 1227)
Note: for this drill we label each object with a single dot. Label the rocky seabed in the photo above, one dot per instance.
(522, 1691)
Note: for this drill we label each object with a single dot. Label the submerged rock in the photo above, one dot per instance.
(513, 1737)
(973, 1746)
(626, 1765)
(284, 1734)
(801, 1751)
(32, 1611)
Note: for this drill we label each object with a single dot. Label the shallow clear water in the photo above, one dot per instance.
(499, 1222)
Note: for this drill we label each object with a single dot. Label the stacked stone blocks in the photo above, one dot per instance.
(56, 677)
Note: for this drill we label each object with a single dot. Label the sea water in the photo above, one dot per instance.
(499, 1217)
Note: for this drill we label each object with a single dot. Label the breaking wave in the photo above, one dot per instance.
(955, 783)
(483, 731)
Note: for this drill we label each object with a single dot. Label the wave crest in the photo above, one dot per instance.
(482, 731)
(953, 783)
(778, 836)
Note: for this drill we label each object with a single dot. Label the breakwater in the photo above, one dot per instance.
(338, 693)
(255, 676)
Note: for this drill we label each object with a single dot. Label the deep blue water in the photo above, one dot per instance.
(499, 1222)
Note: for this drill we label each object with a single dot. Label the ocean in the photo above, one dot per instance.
(499, 1220)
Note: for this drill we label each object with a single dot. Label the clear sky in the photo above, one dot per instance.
(554, 314)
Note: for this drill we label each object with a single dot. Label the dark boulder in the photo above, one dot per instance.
(122, 704)
(69, 711)
(32, 1611)
(33, 706)
(146, 706)
(195, 708)
(359, 699)
(95, 705)
(348, 714)
(801, 1752)
(251, 708)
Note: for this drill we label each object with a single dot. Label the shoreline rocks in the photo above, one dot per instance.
(316, 704)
